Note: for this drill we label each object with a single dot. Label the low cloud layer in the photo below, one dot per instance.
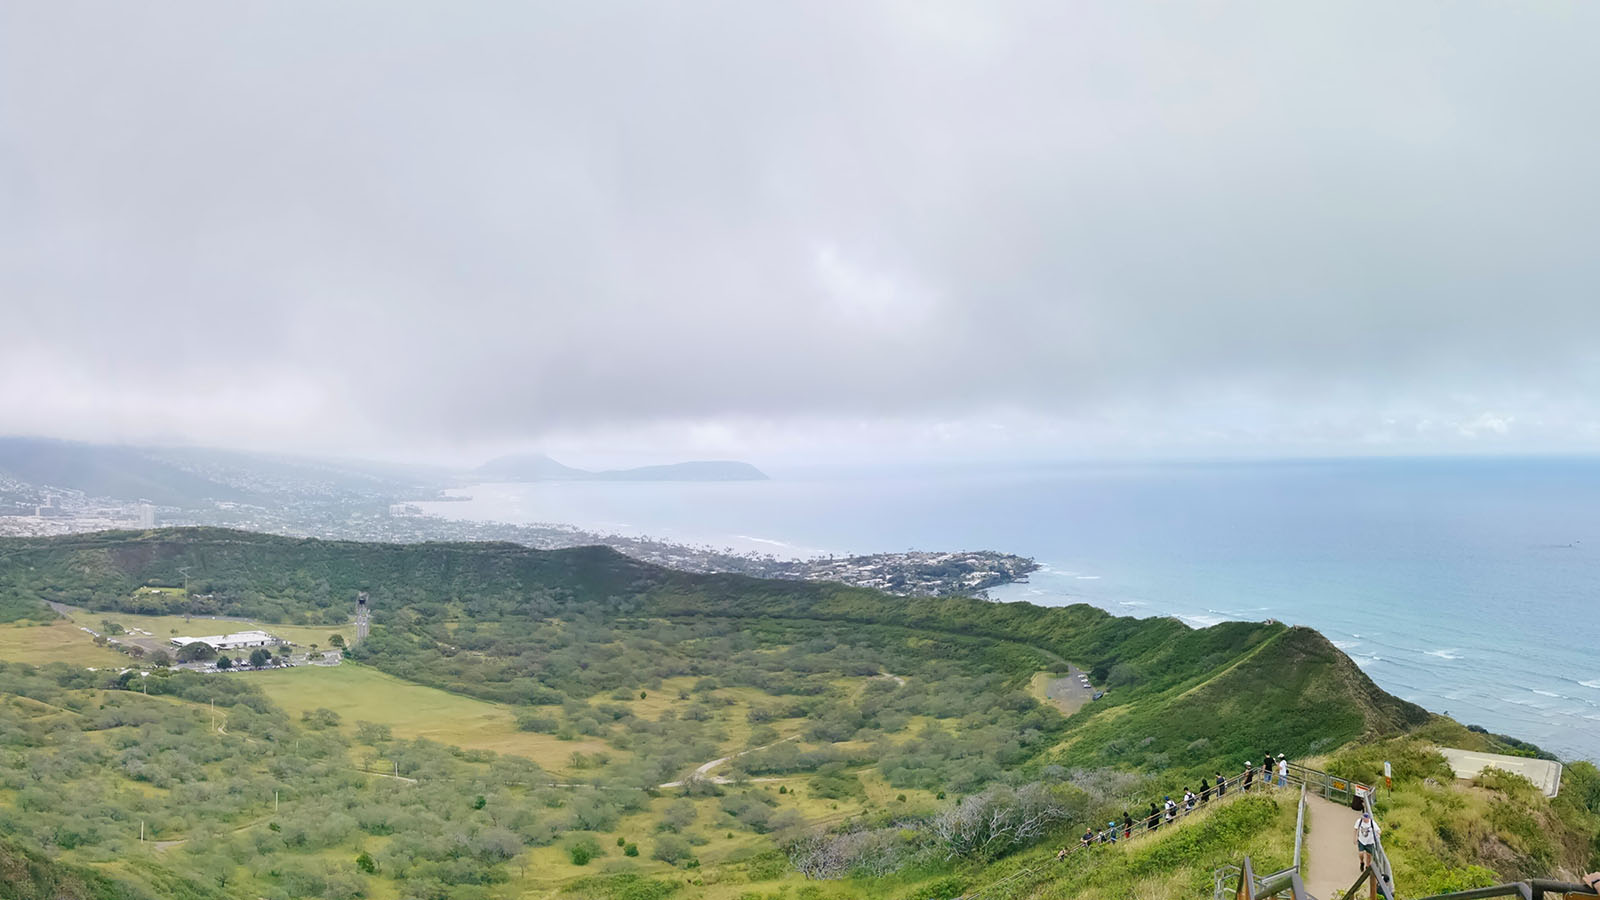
(1023, 228)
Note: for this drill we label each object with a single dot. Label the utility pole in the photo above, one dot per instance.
(274, 802)
(141, 832)
(188, 605)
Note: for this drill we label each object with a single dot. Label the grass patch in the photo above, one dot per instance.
(359, 693)
(58, 641)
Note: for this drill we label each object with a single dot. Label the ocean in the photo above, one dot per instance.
(1470, 586)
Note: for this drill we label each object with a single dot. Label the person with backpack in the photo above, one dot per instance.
(1205, 791)
(1249, 773)
(1111, 832)
(1154, 821)
(1366, 837)
(1188, 801)
(1172, 809)
(1222, 785)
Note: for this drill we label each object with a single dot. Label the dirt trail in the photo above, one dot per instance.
(1331, 864)
(704, 769)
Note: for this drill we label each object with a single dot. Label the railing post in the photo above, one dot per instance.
(1300, 828)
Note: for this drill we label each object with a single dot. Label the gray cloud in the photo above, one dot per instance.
(1133, 226)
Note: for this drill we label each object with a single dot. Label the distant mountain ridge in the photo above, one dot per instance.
(540, 467)
(33, 468)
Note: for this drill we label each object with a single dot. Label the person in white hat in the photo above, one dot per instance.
(1366, 837)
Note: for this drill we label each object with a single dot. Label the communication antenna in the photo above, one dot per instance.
(363, 616)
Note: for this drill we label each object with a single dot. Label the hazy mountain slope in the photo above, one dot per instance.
(122, 473)
(192, 477)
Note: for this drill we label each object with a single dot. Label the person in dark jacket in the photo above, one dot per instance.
(1127, 825)
(1154, 821)
(1249, 773)
(1205, 791)
(1222, 785)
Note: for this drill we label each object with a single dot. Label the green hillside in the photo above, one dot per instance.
(523, 723)
(29, 875)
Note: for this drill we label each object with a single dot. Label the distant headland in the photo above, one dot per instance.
(539, 467)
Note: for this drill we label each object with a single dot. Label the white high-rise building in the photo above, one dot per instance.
(147, 516)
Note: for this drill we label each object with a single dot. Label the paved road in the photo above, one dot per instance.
(1331, 864)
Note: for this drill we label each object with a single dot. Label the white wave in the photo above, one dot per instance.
(1087, 577)
(1346, 645)
(746, 537)
(1451, 653)
(1594, 683)
(1203, 621)
(1365, 661)
(1548, 694)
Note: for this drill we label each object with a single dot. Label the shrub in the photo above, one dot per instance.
(582, 850)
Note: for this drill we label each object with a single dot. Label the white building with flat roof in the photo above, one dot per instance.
(240, 640)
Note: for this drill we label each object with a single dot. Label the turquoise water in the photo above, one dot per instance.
(1469, 586)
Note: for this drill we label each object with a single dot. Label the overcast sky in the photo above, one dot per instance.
(802, 230)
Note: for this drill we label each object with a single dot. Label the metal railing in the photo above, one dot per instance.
(1532, 889)
(1253, 888)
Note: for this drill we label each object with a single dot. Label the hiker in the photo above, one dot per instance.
(1266, 770)
(1172, 809)
(1127, 825)
(1111, 832)
(1366, 837)
(1283, 771)
(1062, 854)
(1249, 773)
(1222, 785)
(1154, 821)
(1205, 791)
(1188, 800)
(1088, 836)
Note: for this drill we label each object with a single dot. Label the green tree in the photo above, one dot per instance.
(336, 640)
(671, 849)
(224, 663)
(196, 651)
(366, 863)
(259, 657)
(583, 850)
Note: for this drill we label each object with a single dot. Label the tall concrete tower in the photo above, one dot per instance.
(363, 616)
